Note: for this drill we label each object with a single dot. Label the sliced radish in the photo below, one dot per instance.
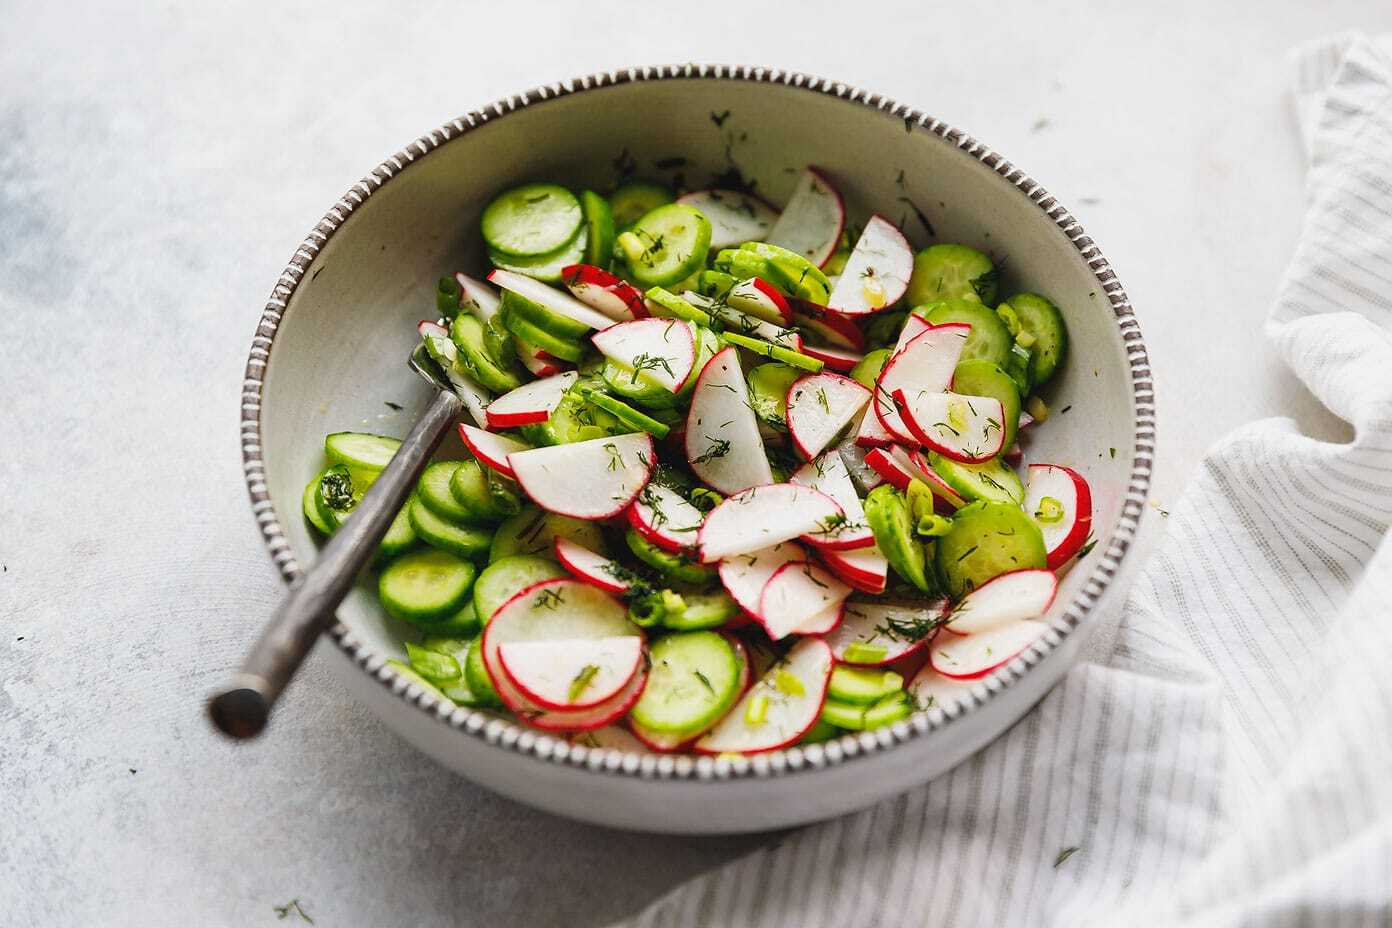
(735, 217)
(834, 328)
(759, 298)
(874, 634)
(482, 299)
(865, 477)
(824, 621)
(745, 576)
(918, 465)
(931, 690)
(877, 272)
(491, 448)
(608, 293)
(660, 351)
(1025, 421)
(743, 323)
(963, 428)
(819, 407)
(537, 361)
(571, 674)
(894, 471)
(1063, 537)
(592, 567)
(829, 475)
(659, 741)
(836, 359)
(722, 434)
(531, 402)
(812, 221)
(760, 517)
(614, 737)
(866, 569)
(562, 304)
(1021, 594)
(428, 329)
(871, 433)
(594, 479)
(780, 708)
(923, 366)
(798, 593)
(964, 657)
(1014, 455)
(559, 609)
(665, 517)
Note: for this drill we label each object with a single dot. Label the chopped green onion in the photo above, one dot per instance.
(1010, 318)
(674, 306)
(1036, 408)
(933, 525)
(582, 680)
(773, 352)
(789, 684)
(858, 652)
(1050, 510)
(1025, 340)
(757, 711)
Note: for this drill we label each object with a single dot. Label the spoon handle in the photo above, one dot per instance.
(241, 710)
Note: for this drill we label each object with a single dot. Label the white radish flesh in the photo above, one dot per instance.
(598, 289)
(829, 475)
(659, 351)
(722, 433)
(871, 433)
(592, 567)
(873, 634)
(745, 576)
(735, 217)
(812, 221)
(963, 428)
(1067, 520)
(761, 517)
(796, 594)
(819, 407)
(967, 656)
(665, 517)
(594, 479)
(490, 448)
(1021, 594)
(923, 366)
(877, 271)
(571, 673)
(562, 304)
(531, 402)
(780, 708)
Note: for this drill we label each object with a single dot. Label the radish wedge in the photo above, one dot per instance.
(819, 407)
(874, 634)
(797, 593)
(866, 569)
(571, 673)
(482, 299)
(536, 361)
(744, 577)
(836, 359)
(722, 434)
(594, 479)
(894, 471)
(759, 298)
(760, 517)
(877, 272)
(965, 657)
(659, 351)
(862, 474)
(562, 304)
(490, 448)
(608, 293)
(660, 741)
(963, 428)
(942, 490)
(824, 621)
(931, 690)
(829, 475)
(1021, 594)
(871, 433)
(923, 366)
(734, 217)
(665, 517)
(1063, 536)
(812, 221)
(531, 402)
(780, 708)
(836, 329)
(591, 567)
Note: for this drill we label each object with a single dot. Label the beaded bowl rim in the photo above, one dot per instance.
(506, 734)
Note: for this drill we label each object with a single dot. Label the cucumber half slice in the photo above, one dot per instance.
(989, 338)
(461, 540)
(635, 200)
(980, 377)
(469, 337)
(534, 531)
(545, 268)
(599, 228)
(694, 679)
(507, 576)
(887, 511)
(531, 220)
(667, 245)
(952, 272)
(425, 587)
(1044, 323)
(992, 481)
(985, 541)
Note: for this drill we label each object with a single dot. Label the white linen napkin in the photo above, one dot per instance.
(1230, 762)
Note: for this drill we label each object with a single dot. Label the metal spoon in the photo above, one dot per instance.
(241, 709)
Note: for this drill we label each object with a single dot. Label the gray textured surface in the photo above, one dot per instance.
(158, 166)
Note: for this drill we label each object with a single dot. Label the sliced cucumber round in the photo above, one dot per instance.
(599, 226)
(553, 323)
(545, 268)
(626, 415)
(497, 375)
(791, 272)
(989, 338)
(310, 505)
(433, 488)
(985, 541)
(635, 200)
(508, 576)
(528, 331)
(867, 369)
(531, 220)
(1044, 323)
(485, 497)
(628, 385)
(992, 481)
(673, 567)
(401, 534)
(693, 680)
(365, 455)
(888, 514)
(465, 541)
(980, 377)
(704, 610)
(952, 272)
(534, 531)
(667, 245)
(862, 685)
(425, 587)
(461, 625)
(768, 392)
(476, 676)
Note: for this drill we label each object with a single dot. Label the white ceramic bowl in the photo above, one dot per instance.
(331, 346)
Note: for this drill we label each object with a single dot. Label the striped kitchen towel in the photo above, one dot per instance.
(1230, 762)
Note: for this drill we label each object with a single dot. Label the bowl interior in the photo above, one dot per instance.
(339, 356)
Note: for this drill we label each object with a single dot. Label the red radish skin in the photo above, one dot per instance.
(1020, 594)
(610, 737)
(427, 327)
(594, 479)
(559, 302)
(866, 569)
(617, 660)
(660, 742)
(757, 297)
(534, 363)
(664, 348)
(798, 593)
(819, 407)
(923, 366)
(788, 716)
(490, 449)
(483, 297)
(866, 624)
(890, 468)
(606, 292)
(871, 433)
(760, 517)
(1062, 540)
(665, 517)
(926, 415)
(943, 493)
(877, 271)
(836, 359)
(812, 222)
(741, 652)
(969, 657)
(744, 577)
(834, 328)
(531, 402)
(722, 439)
(591, 567)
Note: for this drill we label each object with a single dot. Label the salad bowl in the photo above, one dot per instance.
(327, 356)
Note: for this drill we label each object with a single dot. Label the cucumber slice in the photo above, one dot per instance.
(624, 413)
(694, 679)
(673, 567)
(715, 284)
(546, 268)
(485, 497)
(534, 531)
(531, 220)
(1044, 323)
(433, 488)
(890, 709)
(666, 246)
(952, 272)
(467, 333)
(992, 481)
(465, 541)
(409, 672)
(477, 679)
(867, 369)
(527, 331)
(768, 392)
(980, 377)
(553, 323)
(863, 685)
(989, 338)
(435, 666)
(985, 541)
(507, 576)
(888, 514)
(599, 228)
(843, 714)
(621, 380)
(635, 200)
(791, 272)
(310, 505)
(703, 610)
(822, 731)
(455, 650)
(401, 534)
(573, 420)
(460, 625)
(365, 455)
(425, 587)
